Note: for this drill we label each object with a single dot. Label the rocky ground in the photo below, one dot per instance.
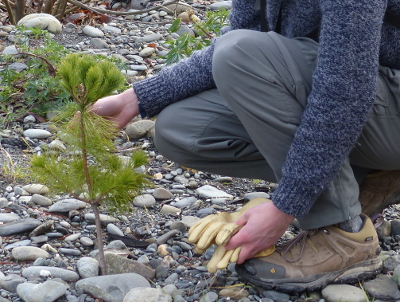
(49, 244)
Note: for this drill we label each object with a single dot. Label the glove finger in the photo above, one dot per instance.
(209, 234)
(223, 263)
(226, 232)
(196, 231)
(217, 256)
(265, 252)
(198, 250)
(235, 254)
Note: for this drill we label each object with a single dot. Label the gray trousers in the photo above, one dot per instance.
(246, 126)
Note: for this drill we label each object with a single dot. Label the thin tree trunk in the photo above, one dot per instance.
(40, 6)
(61, 9)
(10, 12)
(19, 10)
(48, 6)
(102, 260)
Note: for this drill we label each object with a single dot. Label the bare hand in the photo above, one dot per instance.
(263, 225)
(120, 108)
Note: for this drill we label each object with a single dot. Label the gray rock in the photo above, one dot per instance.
(113, 229)
(112, 288)
(208, 191)
(164, 238)
(252, 195)
(88, 267)
(17, 244)
(384, 229)
(176, 8)
(117, 245)
(145, 200)
(11, 282)
(343, 292)
(98, 43)
(37, 133)
(190, 221)
(41, 200)
(86, 241)
(29, 118)
(42, 228)
(140, 128)
(19, 226)
(46, 292)
(149, 38)
(222, 4)
(105, 219)
(140, 294)
(43, 21)
(147, 51)
(36, 189)
(171, 279)
(67, 205)
(390, 263)
(184, 29)
(18, 66)
(178, 225)
(138, 67)
(73, 252)
(111, 29)
(72, 237)
(10, 50)
(119, 265)
(210, 297)
(28, 253)
(161, 193)
(383, 287)
(64, 274)
(7, 217)
(276, 296)
(3, 202)
(92, 32)
(185, 202)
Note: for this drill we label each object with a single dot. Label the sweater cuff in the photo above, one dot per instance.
(295, 197)
(152, 98)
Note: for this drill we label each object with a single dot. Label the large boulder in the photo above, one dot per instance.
(43, 21)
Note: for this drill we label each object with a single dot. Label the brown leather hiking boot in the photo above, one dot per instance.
(379, 190)
(316, 258)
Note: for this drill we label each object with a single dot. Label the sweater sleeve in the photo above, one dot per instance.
(343, 92)
(191, 75)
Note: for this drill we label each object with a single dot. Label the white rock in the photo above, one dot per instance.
(57, 145)
(41, 200)
(145, 200)
(43, 21)
(47, 291)
(343, 292)
(28, 253)
(216, 195)
(139, 129)
(37, 133)
(87, 267)
(147, 51)
(36, 189)
(10, 50)
(92, 32)
(170, 210)
(140, 294)
(29, 119)
(72, 237)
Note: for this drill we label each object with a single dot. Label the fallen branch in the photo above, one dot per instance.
(106, 11)
(52, 69)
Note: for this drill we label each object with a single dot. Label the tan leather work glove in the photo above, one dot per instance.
(222, 257)
(218, 229)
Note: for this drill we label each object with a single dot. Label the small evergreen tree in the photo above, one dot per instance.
(90, 170)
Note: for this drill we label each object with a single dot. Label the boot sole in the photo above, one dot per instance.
(360, 271)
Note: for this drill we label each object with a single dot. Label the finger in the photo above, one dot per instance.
(209, 234)
(217, 256)
(226, 233)
(223, 263)
(237, 240)
(235, 254)
(242, 220)
(197, 230)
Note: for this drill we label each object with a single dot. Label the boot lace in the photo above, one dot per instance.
(299, 239)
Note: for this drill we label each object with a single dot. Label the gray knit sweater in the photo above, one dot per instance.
(353, 42)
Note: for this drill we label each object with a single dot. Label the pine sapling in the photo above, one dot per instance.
(89, 170)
